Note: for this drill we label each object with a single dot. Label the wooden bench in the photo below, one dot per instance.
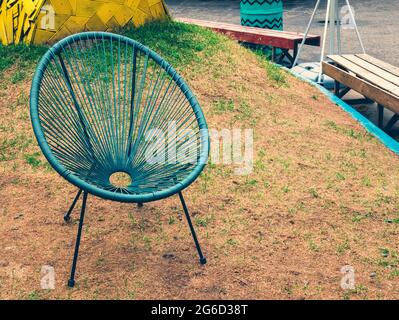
(373, 78)
(274, 38)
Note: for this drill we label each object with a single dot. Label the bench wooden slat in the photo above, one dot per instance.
(365, 74)
(381, 64)
(275, 38)
(373, 68)
(368, 90)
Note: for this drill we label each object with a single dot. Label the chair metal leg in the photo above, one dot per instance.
(71, 281)
(67, 216)
(140, 204)
(190, 224)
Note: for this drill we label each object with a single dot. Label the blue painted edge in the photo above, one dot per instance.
(387, 140)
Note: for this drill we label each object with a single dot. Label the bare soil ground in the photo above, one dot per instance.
(323, 194)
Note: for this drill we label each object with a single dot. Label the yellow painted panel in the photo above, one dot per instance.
(61, 6)
(21, 20)
(143, 6)
(154, 2)
(43, 36)
(28, 38)
(107, 11)
(157, 10)
(10, 3)
(9, 27)
(60, 34)
(60, 20)
(3, 34)
(29, 7)
(73, 4)
(86, 8)
(112, 24)
(39, 5)
(124, 15)
(95, 24)
(139, 18)
(120, 2)
(76, 24)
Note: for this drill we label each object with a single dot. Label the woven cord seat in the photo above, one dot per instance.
(104, 106)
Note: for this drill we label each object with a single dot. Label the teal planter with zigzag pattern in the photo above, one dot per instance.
(266, 14)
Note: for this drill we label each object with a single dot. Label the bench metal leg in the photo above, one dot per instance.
(391, 122)
(340, 93)
(380, 116)
(273, 54)
(337, 87)
(294, 54)
(286, 54)
(67, 216)
(190, 224)
(71, 281)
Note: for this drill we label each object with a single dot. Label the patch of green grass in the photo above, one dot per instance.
(147, 242)
(100, 262)
(10, 147)
(313, 193)
(383, 199)
(22, 56)
(18, 76)
(313, 246)
(171, 220)
(251, 182)
(358, 217)
(342, 247)
(384, 252)
(131, 295)
(366, 181)
(274, 73)
(206, 178)
(260, 163)
(394, 273)
(245, 111)
(232, 242)
(33, 159)
(202, 221)
(223, 106)
(348, 131)
(179, 43)
(395, 220)
(340, 176)
(33, 295)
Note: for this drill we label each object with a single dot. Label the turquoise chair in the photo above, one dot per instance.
(104, 105)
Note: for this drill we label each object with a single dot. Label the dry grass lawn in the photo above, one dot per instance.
(323, 194)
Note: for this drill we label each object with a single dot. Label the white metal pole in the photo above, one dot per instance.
(354, 22)
(306, 33)
(338, 29)
(333, 10)
(323, 48)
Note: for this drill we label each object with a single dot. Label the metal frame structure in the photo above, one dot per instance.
(333, 24)
(87, 135)
(67, 219)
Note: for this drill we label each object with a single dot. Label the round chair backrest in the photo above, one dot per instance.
(104, 104)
